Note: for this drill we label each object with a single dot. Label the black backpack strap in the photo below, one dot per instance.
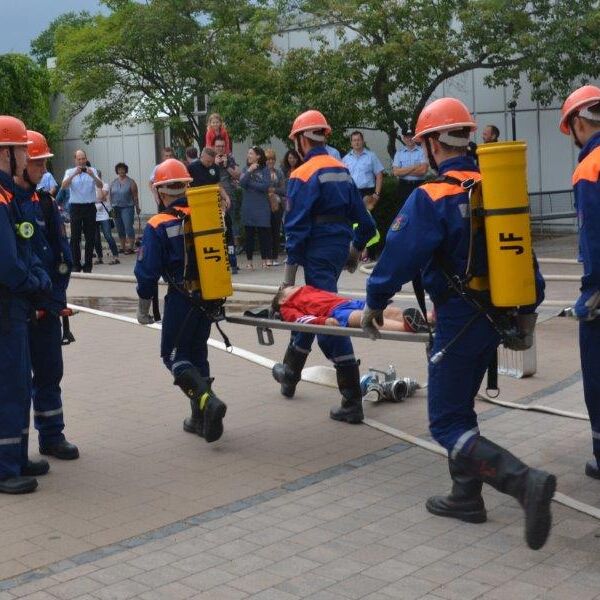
(417, 284)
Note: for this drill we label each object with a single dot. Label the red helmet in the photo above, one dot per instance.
(444, 114)
(580, 99)
(38, 146)
(311, 120)
(12, 132)
(171, 171)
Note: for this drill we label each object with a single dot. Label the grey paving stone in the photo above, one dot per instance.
(390, 570)
(462, 589)
(115, 573)
(409, 588)
(292, 566)
(161, 576)
(74, 588)
(256, 582)
(359, 586)
(121, 590)
(305, 585)
(172, 591)
(515, 590)
(207, 579)
(245, 564)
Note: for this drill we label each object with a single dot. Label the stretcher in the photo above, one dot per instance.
(264, 330)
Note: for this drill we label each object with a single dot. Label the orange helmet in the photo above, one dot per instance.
(444, 114)
(578, 101)
(311, 121)
(38, 146)
(12, 132)
(171, 171)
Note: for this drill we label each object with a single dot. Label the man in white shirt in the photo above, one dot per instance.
(409, 166)
(82, 181)
(365, 168)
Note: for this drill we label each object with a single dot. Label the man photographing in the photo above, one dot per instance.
(82, 181)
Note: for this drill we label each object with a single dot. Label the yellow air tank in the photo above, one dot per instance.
(507, 224)
(209, 242)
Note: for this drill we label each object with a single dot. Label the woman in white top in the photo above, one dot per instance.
(103, 226)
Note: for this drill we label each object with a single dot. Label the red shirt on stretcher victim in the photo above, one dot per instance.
(307, 304)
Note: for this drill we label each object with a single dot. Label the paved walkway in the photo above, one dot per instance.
(289, 504)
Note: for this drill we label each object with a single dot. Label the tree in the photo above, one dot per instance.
(43, 46)
(25, 92)
(149, 62)
(390, 56)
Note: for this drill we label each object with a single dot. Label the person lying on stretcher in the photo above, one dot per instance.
(306, 304)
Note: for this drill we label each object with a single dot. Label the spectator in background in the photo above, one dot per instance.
(216, 129)
(409, 166)
(365, 168)
(191, 155)
(276, 199)
(333, 151)
(82, 182)
(490, 134)
(48, 183)
(291, 160)
(124, 199)
(229, 173)
(167, 152)
(256, 210)
(103, 225)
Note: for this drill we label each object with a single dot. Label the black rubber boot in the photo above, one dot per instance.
(195, 422)
(64, 450)
(35, 468)
(592, 469)
(212, 410)
(289, 372)
(18, 485)
(533, 488)
(464, 501)
(351, 410)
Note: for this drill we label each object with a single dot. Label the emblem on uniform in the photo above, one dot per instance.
(212, 172)
(399, 222)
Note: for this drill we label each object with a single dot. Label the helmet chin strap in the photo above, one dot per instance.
(432, 162)
(13, 161)
(572, 128)
(298, 146)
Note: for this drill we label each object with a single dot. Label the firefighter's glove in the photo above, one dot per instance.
(371, 317)
(588, 305)
(289, 275)
(353, 258)
(143, 312)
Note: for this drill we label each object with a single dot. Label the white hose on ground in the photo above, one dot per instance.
(308, 375)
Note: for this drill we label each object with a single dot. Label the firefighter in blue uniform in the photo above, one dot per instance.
(581, 119)
(431, 234)
(45, 333)
(21, 279)
(323, 203)
(185, 324)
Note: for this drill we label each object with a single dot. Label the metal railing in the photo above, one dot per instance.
(556, 207)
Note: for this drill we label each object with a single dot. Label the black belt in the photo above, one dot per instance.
(320, 219)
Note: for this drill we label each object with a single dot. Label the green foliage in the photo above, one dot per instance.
(388, 58)
(147, 62)
(43, 46)
(25, 92)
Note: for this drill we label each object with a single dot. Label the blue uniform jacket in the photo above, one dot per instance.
(50, 245)
(434, 219)
(162, 251)
(21, 273)
(321, 187)
(586, 185)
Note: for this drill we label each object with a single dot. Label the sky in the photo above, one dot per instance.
(24, 20)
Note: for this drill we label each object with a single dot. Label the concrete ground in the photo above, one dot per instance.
(288, 504)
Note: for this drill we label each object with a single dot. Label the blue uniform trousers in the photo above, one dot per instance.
(322, 270)
(45, 338)
(456, 379)
(188, 330)
(15, 394)
(589, 345)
